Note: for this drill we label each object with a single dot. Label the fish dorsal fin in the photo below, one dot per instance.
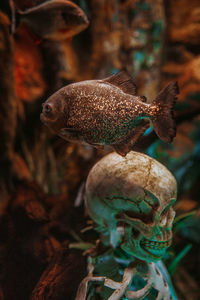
(123, 81)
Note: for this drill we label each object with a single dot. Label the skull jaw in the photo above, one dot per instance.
(143, 251)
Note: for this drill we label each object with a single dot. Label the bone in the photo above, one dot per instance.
(121, 287)
(130, 200)
(140, 190)
(82, 290)
(140, 294)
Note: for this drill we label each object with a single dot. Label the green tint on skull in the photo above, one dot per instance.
(131, 200)
(147, 233)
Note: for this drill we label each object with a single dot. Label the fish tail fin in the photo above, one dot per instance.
(163, 121)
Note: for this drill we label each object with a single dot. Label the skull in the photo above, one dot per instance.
(130, 199)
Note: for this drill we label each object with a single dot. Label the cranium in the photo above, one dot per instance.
(130, 199)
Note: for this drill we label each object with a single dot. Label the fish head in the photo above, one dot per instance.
(54, 112)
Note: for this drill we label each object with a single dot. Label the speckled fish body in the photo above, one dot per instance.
(108, 112)
(101, 113)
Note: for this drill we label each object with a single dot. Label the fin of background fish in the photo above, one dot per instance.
(123, 81)
(128, 143)
(13, 16)
(164, 123)
(46, 5)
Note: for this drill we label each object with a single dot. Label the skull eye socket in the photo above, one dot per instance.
(146, 218)
(133, 214)
(135, 233)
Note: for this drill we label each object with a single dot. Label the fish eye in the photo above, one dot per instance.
(47, 108)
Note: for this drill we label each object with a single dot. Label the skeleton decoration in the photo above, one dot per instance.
(130, 200)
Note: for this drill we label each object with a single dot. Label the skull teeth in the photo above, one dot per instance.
(155, 245)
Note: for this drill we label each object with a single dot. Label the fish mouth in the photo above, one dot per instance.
(155, 248)
(46, 120)
(42, 118)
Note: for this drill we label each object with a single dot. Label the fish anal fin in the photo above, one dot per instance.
(123, 81)
(127, 144)
(121, 149)
(143, 99)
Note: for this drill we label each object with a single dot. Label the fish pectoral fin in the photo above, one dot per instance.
(67, 131)
(127, 144)
(123, 81)
(97, 146)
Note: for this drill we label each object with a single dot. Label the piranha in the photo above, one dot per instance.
(53, 19)
(109, 112)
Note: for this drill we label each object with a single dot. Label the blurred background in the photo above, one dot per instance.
(45, 45)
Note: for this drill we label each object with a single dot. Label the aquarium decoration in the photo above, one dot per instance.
(119, 245)
(130, 200)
